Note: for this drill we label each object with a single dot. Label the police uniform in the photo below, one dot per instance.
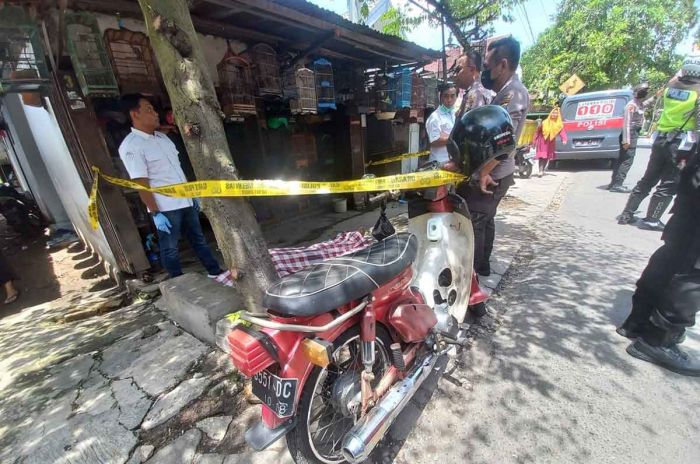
(515, 99)
(632, 125)
(667, 297)
(681, 113)
(476, 96)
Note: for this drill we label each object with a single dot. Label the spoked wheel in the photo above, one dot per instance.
(330, 400)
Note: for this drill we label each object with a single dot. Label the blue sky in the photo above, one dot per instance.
(539, 13)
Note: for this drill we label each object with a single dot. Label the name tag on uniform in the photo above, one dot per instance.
(678, 94)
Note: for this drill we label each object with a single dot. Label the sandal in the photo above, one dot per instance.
(12, 298)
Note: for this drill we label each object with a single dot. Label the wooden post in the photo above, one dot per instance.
(199, 117)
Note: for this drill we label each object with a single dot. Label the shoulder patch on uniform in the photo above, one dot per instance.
(506, 99)
(678, 94)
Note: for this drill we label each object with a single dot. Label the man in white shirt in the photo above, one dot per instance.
(151, 160)
(439, 124)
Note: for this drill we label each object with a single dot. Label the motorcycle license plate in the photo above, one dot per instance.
(277, 393)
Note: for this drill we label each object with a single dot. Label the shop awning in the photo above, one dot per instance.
(287, 24)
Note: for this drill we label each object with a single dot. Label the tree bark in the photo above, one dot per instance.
(199, 117)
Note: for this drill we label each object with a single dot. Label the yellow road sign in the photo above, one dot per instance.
(572, 85)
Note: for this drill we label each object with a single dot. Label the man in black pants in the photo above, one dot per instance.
(668, 292)
(632, 125)
(496, 177)
(681, 117)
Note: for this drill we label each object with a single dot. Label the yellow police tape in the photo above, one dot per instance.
(402, 157)
(267, 188)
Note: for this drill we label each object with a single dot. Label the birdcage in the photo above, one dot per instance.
(300, 89)
(236, 85)
(418, 97)
(381, 88)
(304, 150)
(400, 88)
(431, 91)
(325, 90)
(133, 61)
(89, 55)
(267, 70)
(21, 51)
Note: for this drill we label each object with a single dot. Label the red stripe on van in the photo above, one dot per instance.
(593, 124)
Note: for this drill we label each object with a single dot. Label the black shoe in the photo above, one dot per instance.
(634, 334)
(484, 270)
(626, 218)
(669, 357)
(620, 189)
(628, 333)
(651, 224)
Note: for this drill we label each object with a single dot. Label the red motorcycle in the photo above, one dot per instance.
(346, 343)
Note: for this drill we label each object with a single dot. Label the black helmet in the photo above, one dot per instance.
(641, 90)
(482, 134)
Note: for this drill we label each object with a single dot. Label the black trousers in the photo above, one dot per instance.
(668, 291)
(623, 163)
(483, 208)
(662, 169)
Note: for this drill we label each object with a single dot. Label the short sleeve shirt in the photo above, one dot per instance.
(515, 99)
(439, 123)
(155, 158)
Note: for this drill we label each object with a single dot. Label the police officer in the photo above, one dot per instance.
(680, 117)
(491, 183)
(468, 78)
(634, 117)
(668, 292)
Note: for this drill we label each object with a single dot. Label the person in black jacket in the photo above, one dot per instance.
(668, 292)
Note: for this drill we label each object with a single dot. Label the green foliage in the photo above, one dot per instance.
(609, 44)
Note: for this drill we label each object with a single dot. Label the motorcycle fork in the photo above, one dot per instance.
(368, 336)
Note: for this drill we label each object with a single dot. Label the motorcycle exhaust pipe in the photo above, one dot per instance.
(359, 442)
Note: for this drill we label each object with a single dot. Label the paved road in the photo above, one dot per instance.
(553, 382)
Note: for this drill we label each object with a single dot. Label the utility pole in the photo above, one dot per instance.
(444, 50)
(199, 117)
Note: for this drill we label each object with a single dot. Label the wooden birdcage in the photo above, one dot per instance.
(400, 88)
(267, 70)
(418, 97)
(300, 89)
(325, 89)
(21, 51)
(133, 61)
(432, 100)
(89, 55)
(381, 88)
(236, 85)
(304, 150)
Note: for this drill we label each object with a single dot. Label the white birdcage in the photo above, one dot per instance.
(300, 90)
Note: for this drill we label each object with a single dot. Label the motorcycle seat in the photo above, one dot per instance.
(332, 283)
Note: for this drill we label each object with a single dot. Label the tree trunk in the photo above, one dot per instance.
(199, 117)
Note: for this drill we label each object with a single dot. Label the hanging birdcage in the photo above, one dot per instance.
(418, 97)
(382, 93)
(325, 89)
(432, 100)
(133, 61)
(300, 89)
(21, 52)
(400, 88)
(267, 70)
(236, 85)
(89, 55)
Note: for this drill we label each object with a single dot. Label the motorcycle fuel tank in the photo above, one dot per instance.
(445, 241)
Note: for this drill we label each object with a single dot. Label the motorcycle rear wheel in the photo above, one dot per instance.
(525, 170)
(310, 445)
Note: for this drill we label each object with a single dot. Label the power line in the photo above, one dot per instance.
(527, 20)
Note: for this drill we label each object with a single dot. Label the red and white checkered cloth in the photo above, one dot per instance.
(293, 259)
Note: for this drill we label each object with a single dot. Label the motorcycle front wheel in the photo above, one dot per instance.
(321, 421)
